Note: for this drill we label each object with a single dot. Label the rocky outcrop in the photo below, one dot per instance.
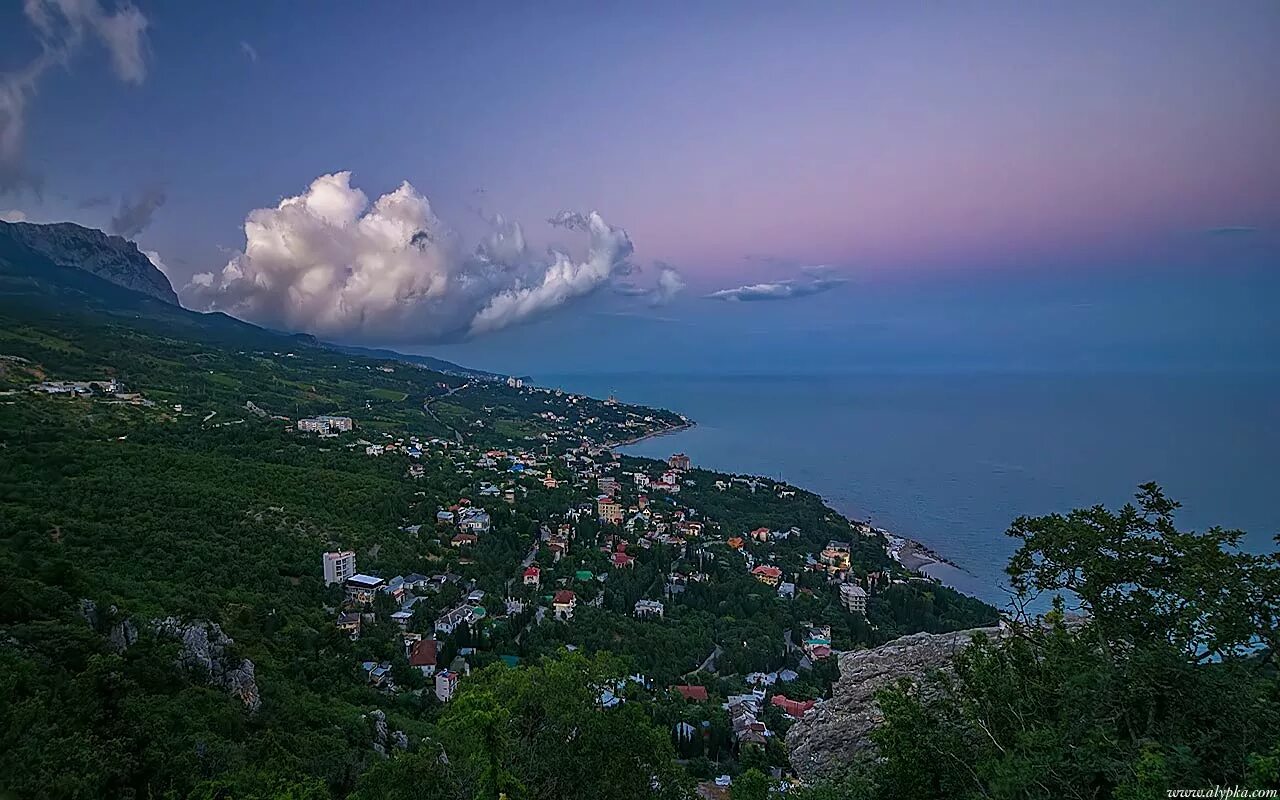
(382, 736)
(122, 634)
(838, 730)
(205, 653)
(111, 258)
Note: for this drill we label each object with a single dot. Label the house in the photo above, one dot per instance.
(760, 534)
(678, 461)
(735, 542)
(793, 708)
(694, 694)
(349, 623)
(649, 608)
(446, 685)
(854, 597)
(623, 561)
(396, 588)
(361, 588)
(787, 590)
(607, 486)
(563, 603)
(835, 556)
(422, 656)
(532, 576)
(817, 644)
(474, 520)
(444, 516)
(449, 621)
(550, 481)
(608, 509)
(339, 566)
(379, 674)
(768, 574)
(463, 539)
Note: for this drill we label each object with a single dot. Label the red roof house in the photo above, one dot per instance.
(697, 694)
(794, 708)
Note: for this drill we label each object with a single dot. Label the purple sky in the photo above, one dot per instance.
(737, 141)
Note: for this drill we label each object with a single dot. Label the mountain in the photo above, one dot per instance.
(66, 244)
(64, 266)
(430, 362)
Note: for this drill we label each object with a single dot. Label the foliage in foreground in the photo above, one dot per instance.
(1167, 681)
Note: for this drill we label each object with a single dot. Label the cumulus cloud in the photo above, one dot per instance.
(13, 215)
(331, 263)
(62, 27)
(816, 281)
(134, 214)
(668, 284)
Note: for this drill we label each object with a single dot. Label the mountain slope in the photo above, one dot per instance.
(64, 268)
(66, 244)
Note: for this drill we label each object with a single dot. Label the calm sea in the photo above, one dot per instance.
(950, 460)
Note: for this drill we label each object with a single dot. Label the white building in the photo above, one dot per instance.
(339, 566)
(325, 424)
(854, 597)
(648, 608)
(446, 685)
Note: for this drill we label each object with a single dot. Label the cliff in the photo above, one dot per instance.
(838, 730)
(65, 244)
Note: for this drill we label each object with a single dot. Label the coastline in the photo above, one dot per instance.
(910, 553)
(686, 425)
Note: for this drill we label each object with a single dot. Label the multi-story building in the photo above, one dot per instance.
(361, 589)
(325, 424)
(854, 597)
(446, 685)
(608, 509)
(339, 566)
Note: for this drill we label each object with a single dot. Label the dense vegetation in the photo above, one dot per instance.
(1167, 682)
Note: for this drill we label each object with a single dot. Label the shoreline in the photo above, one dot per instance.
(652, 435)
(910, 553)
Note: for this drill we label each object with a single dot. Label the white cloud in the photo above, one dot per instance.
(249, 51)
(62, 27)
(13, 215)
(816, 281)
(331, 263)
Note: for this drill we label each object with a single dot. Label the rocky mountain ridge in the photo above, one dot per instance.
(65, 244)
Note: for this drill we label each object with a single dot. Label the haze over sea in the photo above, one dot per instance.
(944, 410)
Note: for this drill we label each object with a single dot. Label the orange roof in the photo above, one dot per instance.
(696, 693)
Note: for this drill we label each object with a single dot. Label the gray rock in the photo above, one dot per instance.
(122, 635)
(838, 731)
(111, 258)
(89, 610)
(400, 739)
(204, 652)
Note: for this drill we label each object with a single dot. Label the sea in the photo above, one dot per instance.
(949, 460)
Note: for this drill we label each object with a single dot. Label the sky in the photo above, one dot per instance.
(1031, 184)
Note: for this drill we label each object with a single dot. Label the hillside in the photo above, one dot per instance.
(168, 629)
